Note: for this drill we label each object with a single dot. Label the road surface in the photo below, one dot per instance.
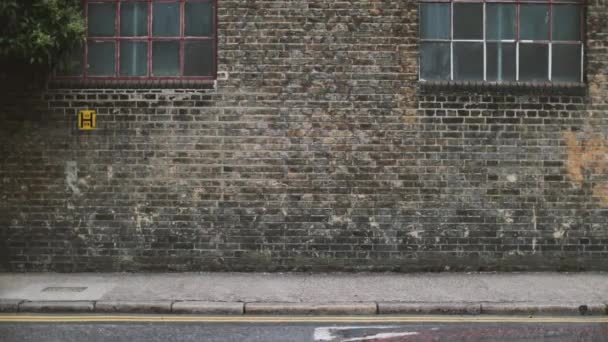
(150, 328)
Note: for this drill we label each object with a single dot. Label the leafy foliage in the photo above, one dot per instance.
(39, 31)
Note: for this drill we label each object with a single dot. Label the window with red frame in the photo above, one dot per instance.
(146, 39)
(502, 40)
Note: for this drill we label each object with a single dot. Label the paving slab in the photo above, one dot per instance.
(56, 306)
(390, 308)
(54, 288)
(133, 306)
(208, 308)
(543, 309)
(310, 309)
(9, 305)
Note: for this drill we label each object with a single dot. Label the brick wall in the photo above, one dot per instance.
(317, 149)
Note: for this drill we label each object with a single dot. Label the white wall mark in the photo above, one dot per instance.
(71, 177)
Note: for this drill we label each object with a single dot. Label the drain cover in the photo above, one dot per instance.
(63, 289)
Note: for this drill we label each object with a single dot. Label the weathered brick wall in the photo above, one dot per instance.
(317, 149)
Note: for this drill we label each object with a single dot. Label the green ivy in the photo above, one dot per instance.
(40, 31)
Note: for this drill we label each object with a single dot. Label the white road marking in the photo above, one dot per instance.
(323, 334)
(328, 333)
(380, 336)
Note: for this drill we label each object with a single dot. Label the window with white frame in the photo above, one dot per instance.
(501, 41)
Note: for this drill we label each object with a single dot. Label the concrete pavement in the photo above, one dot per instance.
(307, 294)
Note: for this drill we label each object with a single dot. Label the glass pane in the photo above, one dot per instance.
(566, 63)
(133, 58)
(566, 22)
(501, 61)
(435, 61)
(101, 19)
(468, 61)
(534, 21)
(198, 58)
(534, 62)
(501, 20)
(165, 58)
(101, 58)
(71, 64)
(166, 19)
(468, 21)
(134, 19)
(199, 18)
(434, 21)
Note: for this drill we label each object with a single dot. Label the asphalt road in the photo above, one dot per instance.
(320, 331)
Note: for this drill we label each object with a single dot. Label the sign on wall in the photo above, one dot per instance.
(87, 120)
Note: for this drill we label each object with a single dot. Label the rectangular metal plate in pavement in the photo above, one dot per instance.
(63, 289)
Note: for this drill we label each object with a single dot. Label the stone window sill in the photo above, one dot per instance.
(548, 88)
(132, 84)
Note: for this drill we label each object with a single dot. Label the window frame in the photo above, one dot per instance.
(517, 41)
(149, 39)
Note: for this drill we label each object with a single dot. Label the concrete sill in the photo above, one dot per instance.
(59, 83)
(510, 88)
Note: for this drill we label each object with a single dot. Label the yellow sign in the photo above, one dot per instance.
(87, 120)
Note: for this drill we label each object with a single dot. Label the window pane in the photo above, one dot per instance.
(166, 19)
(534, 62)
(199, 18)
(501, 20)
(566, 22)
(198, 58)
(134, 19)
(501, 61)
(165, 58)
(101, 19)
(434, 21)
(71, 64)
(468, 61)
(468, 21)
(133, 58)
(435, 61)
(101, 58)
(534, 22)
(566, 63)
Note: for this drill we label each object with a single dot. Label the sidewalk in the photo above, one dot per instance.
(307, 294)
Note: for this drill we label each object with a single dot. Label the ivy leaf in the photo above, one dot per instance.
(39, 31)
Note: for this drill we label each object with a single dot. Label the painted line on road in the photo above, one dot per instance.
(293, 319)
